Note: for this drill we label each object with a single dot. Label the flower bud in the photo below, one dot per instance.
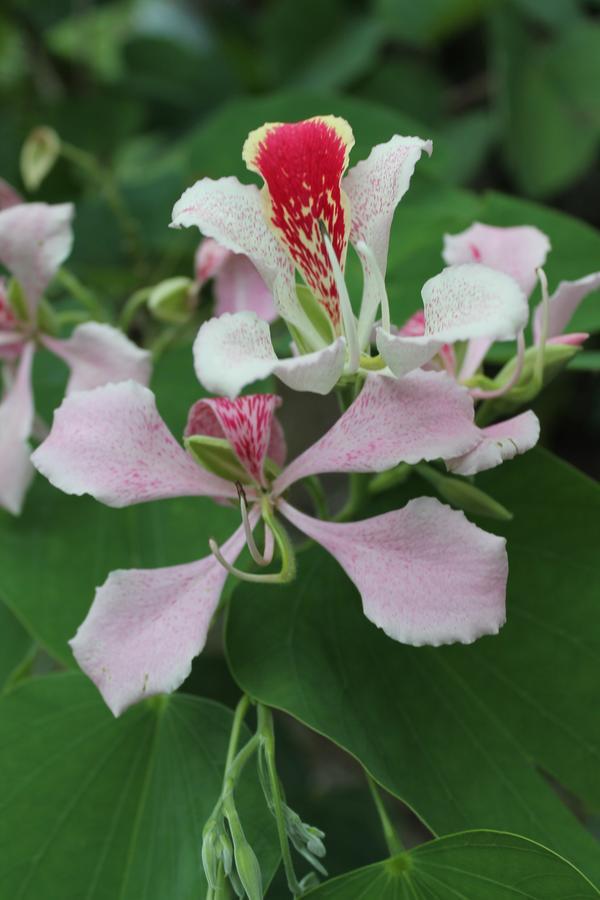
(172, 300)
(210, 855)
(246, 863)
(461, 493)
(38, 156)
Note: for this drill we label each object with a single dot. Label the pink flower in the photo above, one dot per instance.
(238, 285)
(425, 574)
(35, 239)
(519, 251)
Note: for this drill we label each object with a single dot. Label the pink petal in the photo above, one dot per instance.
(573, 339)
(563, 304)
(462, 302)
(302, 164)
(235, 350)
(376, 185)
(209, 258)
(16, 422)
(239, 286)
(35, 239)
(246, 423)
(8, 195)
(146, 625)
(98, 354)
(112, 443)
(517, 251)
(426, 575)
(232, 214)
(475, 354)
(499, 442)
(423, 416)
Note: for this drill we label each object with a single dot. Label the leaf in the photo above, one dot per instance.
(15, 644)
(480, 865)
(428, 23)
(552, 125)
(455, 731)
(101, 808)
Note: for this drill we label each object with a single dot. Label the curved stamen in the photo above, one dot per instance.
(480, 394)
(367, 316)
(233, 570)
(348, 320)
(259, 558)
(543, 335)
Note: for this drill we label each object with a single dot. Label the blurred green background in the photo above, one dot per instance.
(162, 92)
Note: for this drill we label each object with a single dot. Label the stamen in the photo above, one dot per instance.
(480, 394)
(257, 556)
(367, 316)
(348, 320)
(233, 570)
(538, 370)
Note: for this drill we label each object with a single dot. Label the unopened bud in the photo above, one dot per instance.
(172, 300)
(246, 863)
(210, 855)
(38, 156)
(461, 493)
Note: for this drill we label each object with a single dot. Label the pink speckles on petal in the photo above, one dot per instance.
(423, 416)
(112, 443)
(146, 625)
(426, 575)
(246, 423)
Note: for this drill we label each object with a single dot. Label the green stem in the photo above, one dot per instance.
(265, 730)
(317, 495)
(88, 163)
(131, 307)
(394, 844)
(358, 487)
(238, 718)
(81, 293)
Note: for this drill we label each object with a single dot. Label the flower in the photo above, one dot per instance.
(35, 239)
(303, 219)
(520, 252)
(238, 285)
(425, 574)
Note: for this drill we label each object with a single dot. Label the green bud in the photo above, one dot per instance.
(246, 863)
(210, 855)
(216, 455)
(225, 850)
(461, 493)
(38, 156)
(172, 300)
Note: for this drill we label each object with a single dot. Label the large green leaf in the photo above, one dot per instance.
(476, 865)
(61, 548)
(113, 809)
(15, 644)
(456, 731)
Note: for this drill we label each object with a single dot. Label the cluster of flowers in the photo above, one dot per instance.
(426, 575)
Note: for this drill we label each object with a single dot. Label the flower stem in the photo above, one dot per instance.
(265, 731)
(394, 844)
(81, 293)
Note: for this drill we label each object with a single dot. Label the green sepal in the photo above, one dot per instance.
(216, 455)
(172, 300)
(46, 318)
(17, 301)
(462, 493)
(529, 385)
(317, 317)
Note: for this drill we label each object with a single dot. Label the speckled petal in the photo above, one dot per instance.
(499, 442)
